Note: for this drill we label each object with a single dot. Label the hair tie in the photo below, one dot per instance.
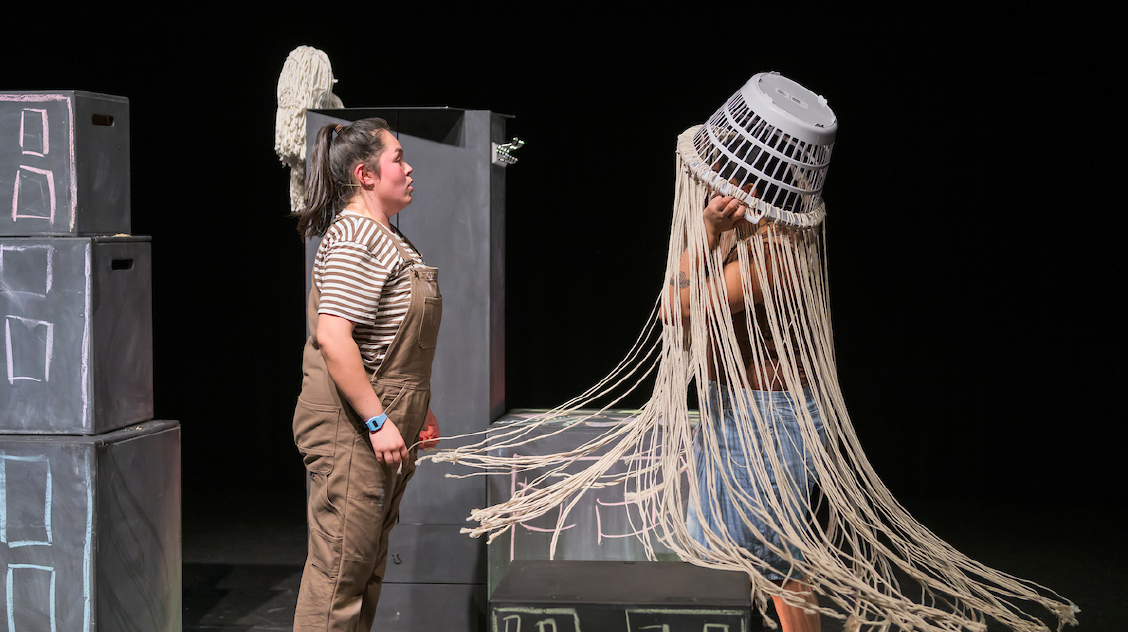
(339, 128)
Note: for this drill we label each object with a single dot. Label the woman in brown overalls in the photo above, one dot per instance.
(366, 384)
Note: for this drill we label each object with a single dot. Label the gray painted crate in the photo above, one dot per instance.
(599, 527)
(64, 163)
(620, 597)
(77, 334)
(90, 531)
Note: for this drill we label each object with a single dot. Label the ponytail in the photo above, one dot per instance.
(319, 194)
(329, 179)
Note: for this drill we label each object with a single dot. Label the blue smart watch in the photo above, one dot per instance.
(375, 423)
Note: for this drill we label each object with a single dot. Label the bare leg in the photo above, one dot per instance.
(793, 619)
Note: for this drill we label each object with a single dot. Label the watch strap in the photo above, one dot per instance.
(377, 422)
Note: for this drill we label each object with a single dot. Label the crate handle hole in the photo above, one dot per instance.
(121, 264)
(103, 119)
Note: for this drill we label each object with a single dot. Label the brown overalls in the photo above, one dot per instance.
(353, 499)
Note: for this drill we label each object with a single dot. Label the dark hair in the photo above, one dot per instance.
(329, 179)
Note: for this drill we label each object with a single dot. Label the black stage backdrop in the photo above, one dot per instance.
(974, 231)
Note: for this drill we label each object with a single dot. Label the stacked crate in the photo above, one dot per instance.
(89, 483)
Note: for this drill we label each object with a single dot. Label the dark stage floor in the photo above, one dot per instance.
(243, 554)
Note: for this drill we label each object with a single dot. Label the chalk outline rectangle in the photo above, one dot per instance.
(47, 352)
(48, 273)
(10, 597)
(4, 502)
(50, 194)
(46, 138)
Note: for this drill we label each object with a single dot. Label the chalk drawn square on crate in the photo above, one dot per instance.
(90, 530)
(64, 163)
(601, 526)
(77, 338)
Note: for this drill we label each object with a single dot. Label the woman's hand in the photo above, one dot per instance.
(721, 214)
(429, 435)
(388, 444)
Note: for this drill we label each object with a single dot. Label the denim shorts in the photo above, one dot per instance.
(785, 438)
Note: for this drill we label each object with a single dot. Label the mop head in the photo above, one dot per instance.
(870, 562)
(306, 82)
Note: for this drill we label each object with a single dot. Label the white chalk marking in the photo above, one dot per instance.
(626, 509)
(566, 612)
(11, 596)
(4, 501)
(45, 138)
(48, 348)
(698, 612)
(48, 273)
(50, 177)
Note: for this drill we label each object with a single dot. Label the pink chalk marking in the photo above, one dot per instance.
(50, 194)
(40, 98)
(45, 145)
(512, 531)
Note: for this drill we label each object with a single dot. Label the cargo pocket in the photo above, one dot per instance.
(324, 552)
(325, 522)
(315, 430)
(428, 334)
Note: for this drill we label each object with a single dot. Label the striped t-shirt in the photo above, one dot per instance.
(362, 278)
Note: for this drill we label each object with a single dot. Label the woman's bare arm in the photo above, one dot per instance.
(346, 367)
(720, 215)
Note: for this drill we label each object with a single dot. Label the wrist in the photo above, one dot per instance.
(712, 236)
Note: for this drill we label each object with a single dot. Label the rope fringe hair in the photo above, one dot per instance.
(874, 563)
